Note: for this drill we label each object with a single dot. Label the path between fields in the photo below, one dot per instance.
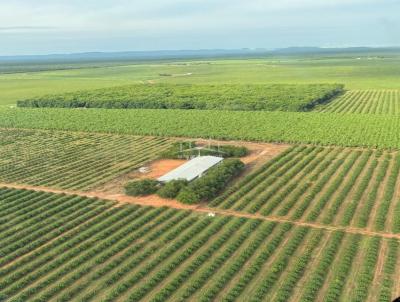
(159, 202)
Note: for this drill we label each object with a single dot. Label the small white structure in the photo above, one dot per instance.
(192, 169)
(144, 170)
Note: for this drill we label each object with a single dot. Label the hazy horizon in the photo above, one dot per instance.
(211, 51)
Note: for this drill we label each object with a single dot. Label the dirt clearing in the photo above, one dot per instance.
(160, 167)
(258, 155)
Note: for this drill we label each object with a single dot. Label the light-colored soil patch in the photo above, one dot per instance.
(258, 151)
(151, 200)
(299, 287)
(155, 169)
(160, 167)
(355, 271)
(345, 157)
(378, 276)
(379, 197)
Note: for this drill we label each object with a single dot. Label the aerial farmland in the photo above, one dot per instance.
(204, 175)
(316, 201)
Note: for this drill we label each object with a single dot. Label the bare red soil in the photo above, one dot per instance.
(155, 201)
(259, 154)
(160, 167)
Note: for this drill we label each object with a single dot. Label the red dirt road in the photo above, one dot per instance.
(156, 201)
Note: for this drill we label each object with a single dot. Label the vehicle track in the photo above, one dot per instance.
(158, 202)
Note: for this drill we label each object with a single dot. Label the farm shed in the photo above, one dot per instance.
(191, 169)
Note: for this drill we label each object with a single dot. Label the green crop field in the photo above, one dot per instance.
(382, 131)
(366, 102)
(71, 160)
(335, 186)
(319, 221)
(377, 72)
(69, 248)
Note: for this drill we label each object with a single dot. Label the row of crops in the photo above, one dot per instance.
(284, 97)
(69, 248)
(339, 186)
(71, 160)
(381, 131)
(365, 102)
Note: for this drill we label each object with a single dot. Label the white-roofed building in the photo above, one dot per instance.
(192, 169)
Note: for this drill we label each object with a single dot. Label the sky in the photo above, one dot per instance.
(67, 26)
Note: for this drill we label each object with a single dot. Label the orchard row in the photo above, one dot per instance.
(338, 186)
(351, 130)
(365, 102)
(70, 248)
(71, 160)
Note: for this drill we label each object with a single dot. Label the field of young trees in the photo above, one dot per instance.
(71, 160)
(69, 248)
(332, 186)
(282, 97)
(365, 102)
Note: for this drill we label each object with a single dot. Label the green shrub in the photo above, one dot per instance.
(171, 189)
(232, 151)
(142, 187)
(208, 186)
(186, 149)
(188, 196)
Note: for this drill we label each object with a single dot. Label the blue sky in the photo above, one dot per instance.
(64, 26)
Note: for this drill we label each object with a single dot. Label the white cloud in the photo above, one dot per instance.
(164, 15)
(184, 21)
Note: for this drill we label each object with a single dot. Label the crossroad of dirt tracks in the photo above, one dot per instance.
(155, 201)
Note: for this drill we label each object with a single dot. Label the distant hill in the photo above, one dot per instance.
(187, 54)
(36, 63)
(335, 51)
(134, 55)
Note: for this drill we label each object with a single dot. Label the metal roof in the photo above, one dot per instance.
(191, 169)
